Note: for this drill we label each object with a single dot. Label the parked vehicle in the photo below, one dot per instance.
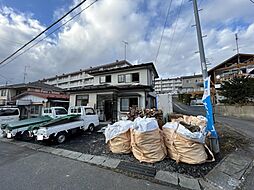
(83, 117)
(9, 114)
(21, 128)
(54, 112)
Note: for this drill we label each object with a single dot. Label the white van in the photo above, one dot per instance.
(9, 114)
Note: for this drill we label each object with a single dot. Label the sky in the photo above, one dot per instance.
(96, 36)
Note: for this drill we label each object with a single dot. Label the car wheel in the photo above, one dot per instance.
(26, 136)
(91, 127)
(60, 137)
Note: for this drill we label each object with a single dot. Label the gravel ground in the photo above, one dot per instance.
(94, 143)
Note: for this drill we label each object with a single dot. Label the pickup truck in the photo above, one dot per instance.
(20, 128)
(86, 119)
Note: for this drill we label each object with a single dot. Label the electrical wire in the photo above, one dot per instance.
(184, 34)
(162, 34)
(26, 44)
(177, 18)
(49, 34)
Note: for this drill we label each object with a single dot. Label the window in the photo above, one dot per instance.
(105, 79)
(82, 100)
(128, 78)
(135, 77)
(102, 79)
(126, 103)
(89, 111)
(60, 111)
(9, 112)
(121, 78)
(3, 92)
(35, 110)
(108, 78)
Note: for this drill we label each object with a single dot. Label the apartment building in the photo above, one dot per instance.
(179, 85)
(82, 77)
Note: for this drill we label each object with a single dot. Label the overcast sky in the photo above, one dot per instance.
(96, 36)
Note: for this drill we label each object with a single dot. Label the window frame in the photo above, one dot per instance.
(129, 105)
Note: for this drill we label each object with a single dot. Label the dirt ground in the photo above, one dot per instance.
(94, 143)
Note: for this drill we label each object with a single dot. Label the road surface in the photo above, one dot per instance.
(25, 169)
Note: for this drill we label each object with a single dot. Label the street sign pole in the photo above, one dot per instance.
(206, 98)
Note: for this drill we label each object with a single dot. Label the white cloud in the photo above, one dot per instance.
(96, 37)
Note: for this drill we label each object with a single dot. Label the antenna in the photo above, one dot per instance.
(237, 48)
(125, 49)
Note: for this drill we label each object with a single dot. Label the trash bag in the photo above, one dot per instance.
(182, 146)
(147, 141)
(118, 137)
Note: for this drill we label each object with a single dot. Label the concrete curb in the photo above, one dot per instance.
(228, 174)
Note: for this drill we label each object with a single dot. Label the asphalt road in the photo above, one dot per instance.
(25, 169)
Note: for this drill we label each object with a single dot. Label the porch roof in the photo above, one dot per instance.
(110, 87)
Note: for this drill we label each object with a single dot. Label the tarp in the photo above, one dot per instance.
(26, 122)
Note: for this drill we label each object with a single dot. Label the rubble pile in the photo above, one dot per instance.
(135, 112)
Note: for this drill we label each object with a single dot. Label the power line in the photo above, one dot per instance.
(173, 35)
(162, 34)
(49, 34)
(184, 34)
(42, 32)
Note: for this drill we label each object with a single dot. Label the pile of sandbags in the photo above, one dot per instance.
(185, 144)
(147, 141)
(118, 137)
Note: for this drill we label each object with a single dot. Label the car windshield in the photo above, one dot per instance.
(61, 111)
(9, 112)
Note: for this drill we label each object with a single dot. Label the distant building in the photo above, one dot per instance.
(169, 85)
(180, 85)
(82, 77)
(230, 68)
(31, 97)
(192, 84)
(239, 65)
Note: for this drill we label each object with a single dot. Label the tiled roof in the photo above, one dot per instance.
(43, 95)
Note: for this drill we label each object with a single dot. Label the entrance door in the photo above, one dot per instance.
(108, 110)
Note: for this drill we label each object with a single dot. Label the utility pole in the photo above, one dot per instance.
(214, 143)
(237, 49)
(125, 49)
(25, 74)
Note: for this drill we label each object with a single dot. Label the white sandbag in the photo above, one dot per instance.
(182, 131)
(145, 124)
(117, 128)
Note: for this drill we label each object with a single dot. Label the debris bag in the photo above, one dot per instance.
(118, 137)
(182, 149)
(184, 132)
(147, 141)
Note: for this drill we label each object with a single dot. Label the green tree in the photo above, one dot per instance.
(238, 90)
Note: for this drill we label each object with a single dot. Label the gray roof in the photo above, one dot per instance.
(36, 84)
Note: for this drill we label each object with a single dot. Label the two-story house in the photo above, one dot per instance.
(115, 90)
